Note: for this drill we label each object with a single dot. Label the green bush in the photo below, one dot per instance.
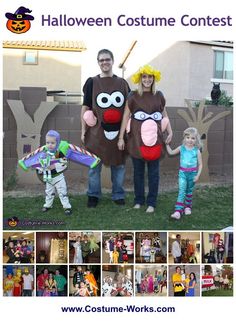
(10, 182)
(224, 100)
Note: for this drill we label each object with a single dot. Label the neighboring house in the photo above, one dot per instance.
(189, 69)
(55, 65)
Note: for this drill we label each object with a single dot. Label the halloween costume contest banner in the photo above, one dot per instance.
(68, 228)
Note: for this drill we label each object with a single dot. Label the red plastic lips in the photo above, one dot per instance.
(151, 153)
(112, 116)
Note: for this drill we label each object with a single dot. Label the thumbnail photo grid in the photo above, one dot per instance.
(117, 263)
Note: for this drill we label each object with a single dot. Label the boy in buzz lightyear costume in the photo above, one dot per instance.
(50, 161)
(53, 173)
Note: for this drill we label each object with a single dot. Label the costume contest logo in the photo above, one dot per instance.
(13, 221)
(19, 22)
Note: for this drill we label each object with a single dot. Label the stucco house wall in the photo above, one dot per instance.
(55, 70)
(187, 72)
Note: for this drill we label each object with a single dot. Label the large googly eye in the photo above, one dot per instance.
(104, 100)
(141, 115)
(117, 99)
(156, 116)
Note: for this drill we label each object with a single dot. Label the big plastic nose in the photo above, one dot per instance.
(112, 116)
(149, 132)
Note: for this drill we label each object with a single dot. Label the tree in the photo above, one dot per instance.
(227, 270)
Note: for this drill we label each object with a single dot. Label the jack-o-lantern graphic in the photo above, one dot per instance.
(13, 221)
(18, 26)
(19, 22)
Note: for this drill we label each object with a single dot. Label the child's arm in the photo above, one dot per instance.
(87, 292)
(59, 167)
(199, 159)
(92, 286)
(171, 151)
(168, 128)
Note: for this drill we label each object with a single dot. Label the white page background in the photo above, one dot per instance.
(118, 39)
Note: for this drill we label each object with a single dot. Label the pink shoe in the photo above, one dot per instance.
(187, 211)
(176, 215)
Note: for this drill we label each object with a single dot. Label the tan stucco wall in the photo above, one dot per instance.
(174, 64)
(201, 72)
(187, 72)
(55, 70)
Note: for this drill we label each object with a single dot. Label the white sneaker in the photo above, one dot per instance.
(187, 211)
(137, 206)
(176, 215)
(150, 209)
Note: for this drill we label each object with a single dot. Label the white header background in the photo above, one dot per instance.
(118, 39)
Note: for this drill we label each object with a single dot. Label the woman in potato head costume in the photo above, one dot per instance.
(145, 119)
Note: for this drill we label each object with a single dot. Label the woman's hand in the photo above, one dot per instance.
(169, 138)
(121, 144)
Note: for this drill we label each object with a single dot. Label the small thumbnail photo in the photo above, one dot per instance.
(217, 280)
(184, 247)
(217, 247)
(84, 280)
(184, 280)
(51, 247)
(118, 247)
(150, 247)
(117, 280)
(18, 247)
(151, 280)
(51, 280)
(85, 247)
(18, 280)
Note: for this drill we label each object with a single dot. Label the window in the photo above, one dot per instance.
(31, 58)
(223, 68)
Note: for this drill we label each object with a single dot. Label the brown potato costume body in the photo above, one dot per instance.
(145, 137)
(104, 120)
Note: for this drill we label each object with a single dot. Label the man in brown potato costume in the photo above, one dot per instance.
(104, 100)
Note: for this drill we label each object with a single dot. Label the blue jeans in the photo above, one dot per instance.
(40, 292)
(27, 293)
(117, 178)
(139, 181)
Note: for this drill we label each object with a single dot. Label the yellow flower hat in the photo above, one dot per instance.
(148, 70)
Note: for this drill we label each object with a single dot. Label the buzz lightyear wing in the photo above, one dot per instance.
(82, 156)
(52, 161)
(71, 152)
(32, 159)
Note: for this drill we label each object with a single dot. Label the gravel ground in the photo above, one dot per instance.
(168, 182)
